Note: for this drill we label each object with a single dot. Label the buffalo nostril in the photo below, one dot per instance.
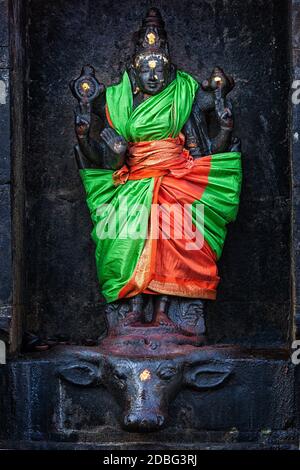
(160, 420)
(146, 423)
(128, 420)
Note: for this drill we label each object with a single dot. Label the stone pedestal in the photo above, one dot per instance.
(254, 408)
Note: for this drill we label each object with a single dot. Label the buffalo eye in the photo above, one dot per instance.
(120, 377)
(167, 373)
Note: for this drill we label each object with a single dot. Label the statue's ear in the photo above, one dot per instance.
(209, 375)
(82, 373)
(173, 71)
(132, 76)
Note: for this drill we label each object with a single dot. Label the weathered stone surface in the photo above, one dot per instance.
(256, 253)
(5, 321)
(244, 322)
(4, 22)
(295, 137)
(296, 249)
(4, 127)
(295, 154)
(296, 64)
(4, 57)
(60, 303)
(295, 24)
(297, 396)
(256, 404)
(5, 246)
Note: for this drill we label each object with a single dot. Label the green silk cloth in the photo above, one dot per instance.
(220, 198)
(160, 116)
(120, 226)
(114, 208)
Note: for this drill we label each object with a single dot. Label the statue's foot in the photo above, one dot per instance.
(131, 319)
(162, 319)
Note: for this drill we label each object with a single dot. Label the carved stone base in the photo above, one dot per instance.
(75, 397)
(146, 376)
(183, 314)
(144, 342)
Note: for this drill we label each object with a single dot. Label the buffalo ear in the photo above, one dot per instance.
(83, 374)
(204, 376)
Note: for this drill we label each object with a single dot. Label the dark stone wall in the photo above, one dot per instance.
(5, 180)
(295, 145)
(250, 40)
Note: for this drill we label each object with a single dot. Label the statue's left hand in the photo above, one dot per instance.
(218, 81)
(82, 121)
(224, 115)
(115, 142)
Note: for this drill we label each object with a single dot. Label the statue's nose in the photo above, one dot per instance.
(144, 421)
(152, 74)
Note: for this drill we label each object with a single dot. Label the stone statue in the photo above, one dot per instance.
(162, 182)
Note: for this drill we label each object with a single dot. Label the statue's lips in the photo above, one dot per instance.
(152, 85)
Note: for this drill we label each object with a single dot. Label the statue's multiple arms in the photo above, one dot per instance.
(211, 106)
(224, 120)
(109, 153)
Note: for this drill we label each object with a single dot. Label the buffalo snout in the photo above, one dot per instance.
(143, 422)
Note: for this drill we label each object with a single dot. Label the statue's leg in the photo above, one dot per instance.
(135, 314)
(161, 305)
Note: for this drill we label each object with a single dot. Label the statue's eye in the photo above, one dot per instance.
(166, 373)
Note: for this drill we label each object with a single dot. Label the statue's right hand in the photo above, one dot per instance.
(82, 122)
(114, 141)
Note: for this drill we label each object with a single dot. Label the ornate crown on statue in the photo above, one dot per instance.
(152, 37)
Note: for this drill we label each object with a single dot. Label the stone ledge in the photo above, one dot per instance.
(172, 445)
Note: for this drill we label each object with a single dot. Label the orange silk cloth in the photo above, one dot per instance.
(155, 158)
(165, 265)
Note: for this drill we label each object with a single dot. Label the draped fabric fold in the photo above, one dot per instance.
(155, 158)
(160, 189)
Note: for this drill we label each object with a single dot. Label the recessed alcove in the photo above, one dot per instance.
(250, 41)
(48, 281)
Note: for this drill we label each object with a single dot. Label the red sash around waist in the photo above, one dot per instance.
(155, 158)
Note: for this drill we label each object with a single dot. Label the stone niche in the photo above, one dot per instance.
(48, 284)
(253, 303)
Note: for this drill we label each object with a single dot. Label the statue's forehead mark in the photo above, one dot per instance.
(152, 64)
(150, 58)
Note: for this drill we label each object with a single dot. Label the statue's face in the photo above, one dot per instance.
(152, 73)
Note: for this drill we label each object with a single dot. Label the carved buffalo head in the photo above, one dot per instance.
(145, 387)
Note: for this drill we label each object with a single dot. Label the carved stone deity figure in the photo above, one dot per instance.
(162, 180)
